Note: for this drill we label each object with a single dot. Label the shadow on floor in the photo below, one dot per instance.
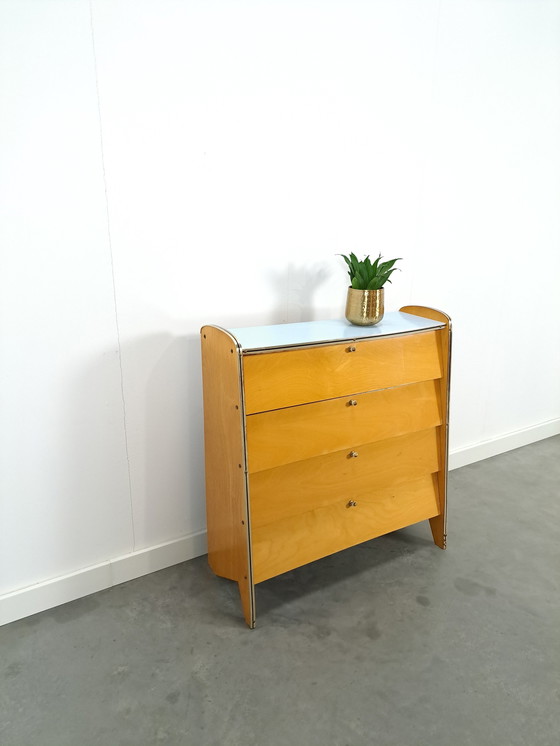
(336, 569)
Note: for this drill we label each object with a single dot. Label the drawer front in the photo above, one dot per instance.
(297, 433)
(291, 542)
(284, 379)
(303, 486)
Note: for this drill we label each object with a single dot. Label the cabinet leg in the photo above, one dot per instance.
(437, 524)
(247, 593)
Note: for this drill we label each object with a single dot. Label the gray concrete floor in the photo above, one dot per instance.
(391, 642)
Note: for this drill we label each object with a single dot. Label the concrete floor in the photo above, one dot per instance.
(392, 642)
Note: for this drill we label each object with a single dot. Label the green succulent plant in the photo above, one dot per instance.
(368, 275)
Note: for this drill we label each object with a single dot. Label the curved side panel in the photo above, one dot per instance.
(438, 524)
(226, 483)
(427, 313)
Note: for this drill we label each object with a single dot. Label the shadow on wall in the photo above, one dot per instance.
(163, 395)
(165, 438)
(87, 519)
(83, 507)
(294, 288)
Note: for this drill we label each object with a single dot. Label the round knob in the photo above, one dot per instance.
(351, 349)
(351, 504)
(353, 454)
(352, 403)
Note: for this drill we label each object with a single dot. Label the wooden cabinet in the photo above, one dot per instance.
(319, 436)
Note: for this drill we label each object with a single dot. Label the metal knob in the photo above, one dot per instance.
(353, 454)
(351, 349)
(351, 504)
(352, 403)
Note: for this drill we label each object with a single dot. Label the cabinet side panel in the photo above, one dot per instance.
(226, 503)
(438, 524)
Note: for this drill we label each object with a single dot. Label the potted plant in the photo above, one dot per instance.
(365, 301)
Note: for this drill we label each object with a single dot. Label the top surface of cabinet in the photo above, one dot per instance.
(254, 338)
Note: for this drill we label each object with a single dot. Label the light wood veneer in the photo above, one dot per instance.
(313, 448)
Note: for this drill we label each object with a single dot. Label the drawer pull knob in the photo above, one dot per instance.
(353, 454)
(351, 349)
(351, 504)
(352, 403)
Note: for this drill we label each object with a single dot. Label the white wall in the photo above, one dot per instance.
(168, 164)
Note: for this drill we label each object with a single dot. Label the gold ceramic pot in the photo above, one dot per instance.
(364, 307)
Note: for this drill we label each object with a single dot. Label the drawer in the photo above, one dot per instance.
(291, 542)
(303, 486)
(298, 433)
(283, 379)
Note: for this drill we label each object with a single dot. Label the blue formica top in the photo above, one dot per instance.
(252, 338)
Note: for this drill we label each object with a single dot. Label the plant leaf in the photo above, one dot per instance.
(363, 278)
(367, 275)
(387, 265)
(383, 278)
(355, 263)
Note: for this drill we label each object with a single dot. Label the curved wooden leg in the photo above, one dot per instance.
(247, 593)
(437, 524)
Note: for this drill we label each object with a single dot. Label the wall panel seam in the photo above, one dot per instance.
(113, 280)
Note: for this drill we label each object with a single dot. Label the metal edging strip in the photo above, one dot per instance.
(252, 600)
(448, 384)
